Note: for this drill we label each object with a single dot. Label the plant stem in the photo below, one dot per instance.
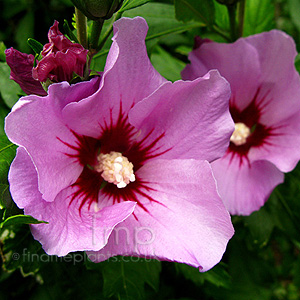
(95, 34)
(241, 17)
(107, 33)
(232, 15)
(81, 25)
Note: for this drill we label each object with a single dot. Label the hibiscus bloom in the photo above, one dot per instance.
(265, 106)
(61, 58)
(119, 165)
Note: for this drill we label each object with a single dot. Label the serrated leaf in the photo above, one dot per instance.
(130, 4)
(202, 11)
(9, 89)
(126, 277)
(259, 16)
(36, 46)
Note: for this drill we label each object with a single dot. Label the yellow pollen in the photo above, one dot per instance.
(115, 168)
(240, 134)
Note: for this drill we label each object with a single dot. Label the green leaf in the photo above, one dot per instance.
(221, 16)
(3, 113)
(7, 153)
(130, 4)
(160, 19)
(19, 219)
(126, 277)
(36, 46)
(9, 89)
(166, 64)
(202, 11)
(7, 149)
(217, 276)
(69, 32)
(259, 16)
(2, 53)
(294, 10)
(25, 29)
(20, 250)
(261, 225)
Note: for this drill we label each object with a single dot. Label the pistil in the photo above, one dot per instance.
(240, 134)
(115, 168)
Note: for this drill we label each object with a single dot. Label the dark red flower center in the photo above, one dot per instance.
(118, 136)
(250, 117)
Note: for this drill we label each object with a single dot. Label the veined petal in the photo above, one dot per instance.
(232, 61)
(128, 78)
(277, 53)
(187, 223)
(282, 146)
(44, 134)
(69, 229)
(192, 116)
(245, 187)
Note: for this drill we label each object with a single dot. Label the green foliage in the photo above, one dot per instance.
(166, 64)
(9, 90)
(7, 153)
(36, 46)
(125, 277)
(130, 4)
(201, 11)
(160, 19)
(259, 16)
(262, 259)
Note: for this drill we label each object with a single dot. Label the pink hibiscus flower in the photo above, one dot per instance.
(265, 106)
(119, 165)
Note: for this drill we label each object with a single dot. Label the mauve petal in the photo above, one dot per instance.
(193, 117)
(21, 65)
(245, 188)
(189, 224)
(281, 81)
(282, 147)
(237, 62)
(128, 78)
(44, 134)
(67, 230)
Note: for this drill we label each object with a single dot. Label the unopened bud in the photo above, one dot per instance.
(98, 9)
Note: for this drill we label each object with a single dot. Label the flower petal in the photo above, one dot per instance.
(193, 117)
(281, 81)
(128, 78)
(187, 224)
(44, 134)
(245, 187)
(68, 229)
(21, 65)
(282, 147)
(232, 61)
